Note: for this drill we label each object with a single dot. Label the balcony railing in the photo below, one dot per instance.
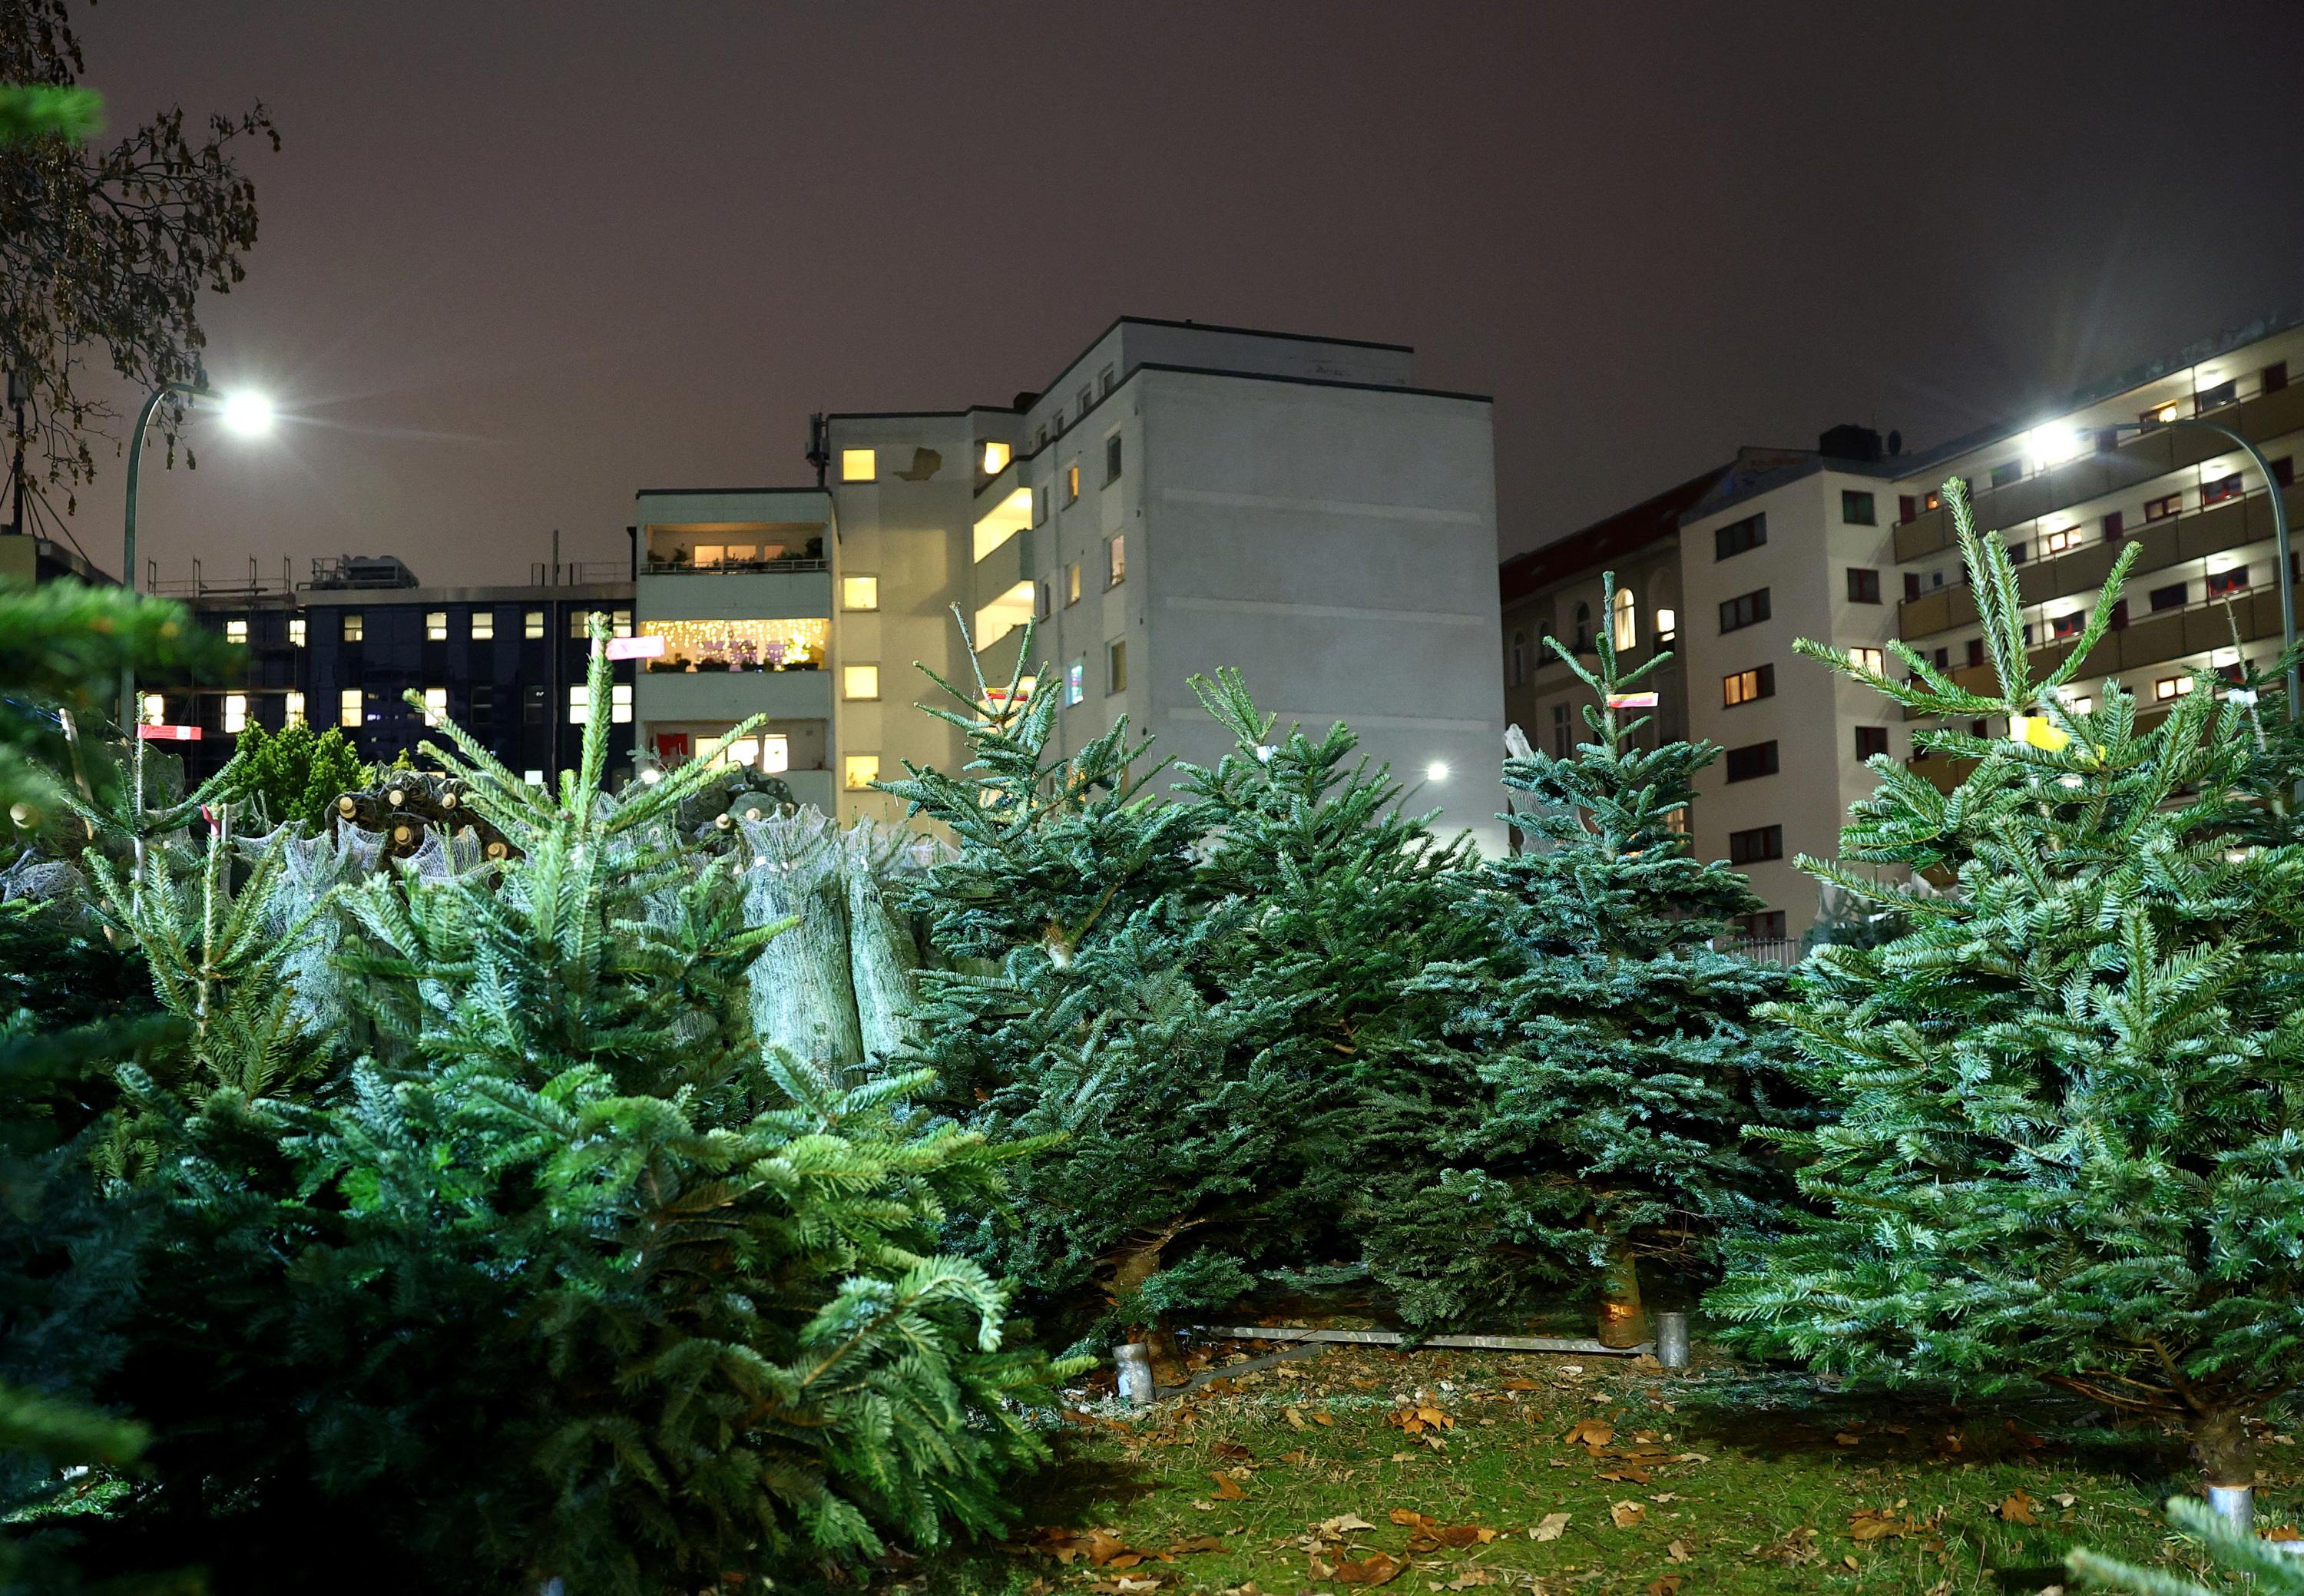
(793, 562)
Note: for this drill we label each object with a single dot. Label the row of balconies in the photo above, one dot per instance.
(2236, 524)
(2092, 476)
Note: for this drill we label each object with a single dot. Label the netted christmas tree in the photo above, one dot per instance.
(572, 1279)
(1616, 1058)
(2062, 1141)
(1089, 1008)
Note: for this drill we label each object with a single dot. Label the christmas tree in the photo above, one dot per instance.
(570, 1280)
(1090, 1016)
(1617, 1057)
(298, 776)
(2061, 1142)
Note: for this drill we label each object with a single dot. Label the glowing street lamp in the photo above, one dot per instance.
(247, 414)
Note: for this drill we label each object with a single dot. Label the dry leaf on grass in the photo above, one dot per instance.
(1195, 1543)
(1848, 1437)
(1882, 1524)
(1323, 1416)
(1627, 1514)
(1295, 1420)
(1793, 1548)
(1416, 1418)
(1629, 1475)
(1549, 1527)
(1679, 1551)
(1517, 1384)
(1344, 1523)
(1378, 1568)
(2017, 1509)
(1232, 1451)
(1667, 1585)
(1226, 1490)
(1594, 1433)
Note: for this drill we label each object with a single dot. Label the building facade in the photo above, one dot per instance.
(1851, 546)
(1181, 497)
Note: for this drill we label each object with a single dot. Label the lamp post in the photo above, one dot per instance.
(243, 412)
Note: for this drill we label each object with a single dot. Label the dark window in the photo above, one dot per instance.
(2275, 376)
(1908, 507)
(1976, 651)
(1871, 741)
(1856, 508)
(2119, 616)
(2019, 552)
(2221, 583)
(1979, 728)
(1761, 842)
(1583, 627)
(1744, 686)
(1746, 609)
(1944, 659)
(484, 703)
(1738, 536)
(2115, 525)
(1863, 585)
(1751, 762)
(2284, 470)
(1767, 926)
(2217, 397)
(533, 706)
(2067, 625)
(2218, 492)
(1112, 460)
(1911, 586)
(2011, 472)
(1561, 732)
(2160, 509)
(2171, 596)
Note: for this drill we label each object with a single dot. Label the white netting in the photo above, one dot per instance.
(40, 879)
(882, 952)
(803, 997)
(444, 858)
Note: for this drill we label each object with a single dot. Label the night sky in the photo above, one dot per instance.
(519, 259)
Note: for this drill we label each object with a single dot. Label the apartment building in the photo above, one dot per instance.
(1179, 497)
(507, 663)
(1851, 545)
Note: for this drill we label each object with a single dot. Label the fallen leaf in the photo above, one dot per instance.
(1295, 1420)
(1323, 1416)
(1629, 1473)
(1678, 1551)
(1793, 1547)
(1344, 1523)
(2063, 1498)
(2017, 1509)
(2286, 1532)
(1848, 1437)
(1412, 1518)
(1590, 1432)
(1549, 1527)
(1627, 1514)
(1667, 1585)
(1195, 1543)
(1226, 1491)
(1517, 1384)
(1233, 1451)
(1881, 1525)
(1852, 1562)
(1295, 1457)
(1378, 1568)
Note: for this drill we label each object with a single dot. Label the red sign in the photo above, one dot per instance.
(636, 648)
(169, 733)
(1631, 700)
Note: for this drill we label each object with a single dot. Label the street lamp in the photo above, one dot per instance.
(249, 414)
(2053, 445)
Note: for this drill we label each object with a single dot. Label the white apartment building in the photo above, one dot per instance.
(1850, 545)
(1179, 497)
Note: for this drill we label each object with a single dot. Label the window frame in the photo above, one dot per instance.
(1864, 584)
(1739, 537)
(1754, 608)
(1849, 498)
(1748, 687)
(1765, 753)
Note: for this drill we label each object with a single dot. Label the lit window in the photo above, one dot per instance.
(1875, 660)
(2057, 542)
(296, 631)
(155, 709)
(1071, 484)
(235, 711)
(860, 681)
(1115, 561)
(531, 623)
(2221, 583)
(579, 705)
(796, 643)
(1072, 582)
(296, 710)
(859, 592)
(997, 456)
(2171, 687)
(355, 626)
(1115, 667)
(579, 624)
(858, 465)
(349, 708)
(236, 632)
(710, 554)
(859, 771)
(484, 625)
(620, 622)
(1744, 686)
(775, 753)
(1625, 629)
(436, 626)
(435, 705)
(620, 704)
(1076, 680)
(534, 778)
(1667, 624)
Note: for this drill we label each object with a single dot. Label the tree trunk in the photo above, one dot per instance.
(803, 997)
(1624, 1321)
(881, 953)
(2219, 1441)
(1135, 1266)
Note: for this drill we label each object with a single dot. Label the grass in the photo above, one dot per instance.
(1716, 1481)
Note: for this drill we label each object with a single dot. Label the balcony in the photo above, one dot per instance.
(2091, 476)
(2233, 523)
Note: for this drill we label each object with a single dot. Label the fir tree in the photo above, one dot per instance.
(297, 776)
(572, 1280)
(1094, 1017)
(1617, 1057)
(2063, 1141)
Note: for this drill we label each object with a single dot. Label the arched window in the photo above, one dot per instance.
(1583, 627)
(1516, 662)
(1627, 622)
